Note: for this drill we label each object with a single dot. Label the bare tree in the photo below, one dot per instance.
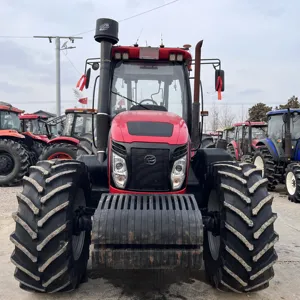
(227, 116)
(214, 117)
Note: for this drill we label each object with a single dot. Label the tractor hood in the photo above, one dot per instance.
(150, 127)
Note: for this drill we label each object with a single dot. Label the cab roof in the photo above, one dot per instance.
(32, 116)
(282, 111)
(134, 52)
(8, 107)
(81, 110)
(257, 124)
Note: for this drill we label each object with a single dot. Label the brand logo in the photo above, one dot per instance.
(104, 27)
(150, 160)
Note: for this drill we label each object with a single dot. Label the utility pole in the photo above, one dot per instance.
(58, 48)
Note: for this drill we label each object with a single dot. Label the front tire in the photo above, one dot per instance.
(263, 160)
(47, 255)
(240, 256)
(292, 182)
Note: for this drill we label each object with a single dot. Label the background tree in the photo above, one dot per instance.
(293, 102)
(227, 117)
(214, 117)
(257, 113)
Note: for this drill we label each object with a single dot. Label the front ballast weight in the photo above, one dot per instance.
(147, 232)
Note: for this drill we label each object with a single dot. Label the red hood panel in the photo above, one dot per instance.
(119, 129)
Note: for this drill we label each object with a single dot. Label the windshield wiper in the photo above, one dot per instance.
(130, 100)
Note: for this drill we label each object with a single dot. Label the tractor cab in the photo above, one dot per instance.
(9, 117)
(78, 122)
(246, 136)
(278, 127)
(35, 124)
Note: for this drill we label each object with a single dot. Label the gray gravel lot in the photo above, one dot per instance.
(144, 285)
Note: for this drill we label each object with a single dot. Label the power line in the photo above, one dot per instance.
(128, 18)
(71, 63)
(134, 16)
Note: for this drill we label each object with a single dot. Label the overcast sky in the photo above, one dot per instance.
(257, 41)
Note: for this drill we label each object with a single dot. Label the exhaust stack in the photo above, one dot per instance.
(107, 35)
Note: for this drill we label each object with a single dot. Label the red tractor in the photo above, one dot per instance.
(77, 127)
(246, 136)
(156, 201)
(18, 149)
(36, 127)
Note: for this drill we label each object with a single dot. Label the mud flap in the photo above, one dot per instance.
(147, 232)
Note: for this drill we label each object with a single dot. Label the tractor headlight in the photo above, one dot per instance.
(178, 173)
(119, 170)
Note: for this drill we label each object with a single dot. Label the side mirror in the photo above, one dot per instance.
(95, 66)
(88, 77)
(219, 79)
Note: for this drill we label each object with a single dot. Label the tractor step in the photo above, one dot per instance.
(147, 232)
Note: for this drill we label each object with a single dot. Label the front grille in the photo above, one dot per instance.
(145, 177)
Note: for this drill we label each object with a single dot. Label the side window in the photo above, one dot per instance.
(238, 133)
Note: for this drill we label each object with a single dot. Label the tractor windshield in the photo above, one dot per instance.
(258, 133)
(295, 126)
(35, 126)
(77, 124)
(9, 120)
(276, 126)
(160, 83)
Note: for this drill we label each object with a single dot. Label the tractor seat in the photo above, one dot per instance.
(148, 106)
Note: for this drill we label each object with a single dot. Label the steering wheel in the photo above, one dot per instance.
(153, 102)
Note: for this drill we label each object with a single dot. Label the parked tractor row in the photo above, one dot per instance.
(28, 138)
(273, 147)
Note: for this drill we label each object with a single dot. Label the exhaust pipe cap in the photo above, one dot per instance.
(107, 30)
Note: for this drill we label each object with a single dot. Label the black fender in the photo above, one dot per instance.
(271, 147)
(201, 172)
(98, 176)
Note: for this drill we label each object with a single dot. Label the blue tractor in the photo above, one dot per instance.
(278, 155)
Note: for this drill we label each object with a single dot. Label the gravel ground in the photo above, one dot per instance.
(143, 285)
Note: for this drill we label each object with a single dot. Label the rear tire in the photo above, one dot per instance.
(231, 151)
(38, 148)
(241, 257)
(263, 160)
(85, 146)
(292, 182)
(59, 151)
(46, 255)
(14, 162)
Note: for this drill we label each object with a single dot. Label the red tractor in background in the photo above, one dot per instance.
(158, 200)
(18, 149)
(246, 136)
(36, 127)
(77, 127)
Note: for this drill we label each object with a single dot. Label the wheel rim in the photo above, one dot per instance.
(290, 183)
(6, 163)
(78, 240)
(214, 242)
(259, 163)
(60, 155)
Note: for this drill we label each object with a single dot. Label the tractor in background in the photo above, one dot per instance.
(18, 150)
(226, 137)
(77, 127)
(36, 127)
(246, 136)
(157, 202)
(278, 155)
